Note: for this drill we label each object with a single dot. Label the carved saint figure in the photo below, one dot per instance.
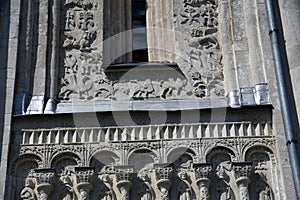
(145, 190)
(28, 192)
(266, 194)
(68, 191)
(224, 190)
(184, 187)
(106, 190)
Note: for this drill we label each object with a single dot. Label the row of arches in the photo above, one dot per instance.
(177, 158)
(108, 157)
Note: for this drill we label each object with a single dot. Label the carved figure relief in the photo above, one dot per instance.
(145, 190)
(184, 187)
(106, 190)
(200, 19)
(28, 192)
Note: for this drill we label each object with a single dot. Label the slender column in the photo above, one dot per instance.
(124, 178)
(202, 173)
(242, 172)
(45, 180)
(54, 63)
(84, 177)
(163, 175)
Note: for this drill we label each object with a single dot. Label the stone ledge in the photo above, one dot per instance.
(138, 105)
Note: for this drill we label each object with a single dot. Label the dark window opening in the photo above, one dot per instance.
(139, 32)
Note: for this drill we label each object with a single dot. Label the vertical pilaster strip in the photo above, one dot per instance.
(169, 31)
(226, 42)
(255, 51)
(240, 44)
(151, 31)
(12, 18)
(290, 16)
(161, 20)
(128, 27)
(112, 25)
(39, 72)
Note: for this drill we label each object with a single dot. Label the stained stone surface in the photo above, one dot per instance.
(200, 120)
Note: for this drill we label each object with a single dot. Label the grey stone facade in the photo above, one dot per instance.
(200, 119)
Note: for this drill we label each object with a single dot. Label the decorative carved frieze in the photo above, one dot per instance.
(110, 134)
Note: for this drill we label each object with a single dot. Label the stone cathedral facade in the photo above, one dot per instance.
(141, 99)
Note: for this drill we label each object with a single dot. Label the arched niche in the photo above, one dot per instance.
(259, 153)
(19, 170)
(181, 157)
(219, 154)
(103, 158)
(222, 180)
(141, 158)
(62, 160)
(263, 161)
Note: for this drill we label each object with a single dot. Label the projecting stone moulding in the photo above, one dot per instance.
(139, 133)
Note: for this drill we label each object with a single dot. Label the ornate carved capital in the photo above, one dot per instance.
(84, 174)
(84, 177)
(163, 175)
(45, 180)
(124, 177)
(242, 170)
(202, 171)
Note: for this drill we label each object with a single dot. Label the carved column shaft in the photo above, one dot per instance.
(84, 176)
(202, 172)
(163, 183)
(242, 172)
(45, 181)
(124, 177)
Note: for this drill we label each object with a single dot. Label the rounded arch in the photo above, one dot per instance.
(103, 158)
(259, 153)
(257, 149)
(181, 155)
(219, 154)
(141, 158)
(26, 162)
(61, 160)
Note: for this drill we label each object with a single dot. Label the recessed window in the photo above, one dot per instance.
(139, 32)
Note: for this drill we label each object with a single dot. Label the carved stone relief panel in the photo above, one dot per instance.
(81, 48)
(199, 51)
